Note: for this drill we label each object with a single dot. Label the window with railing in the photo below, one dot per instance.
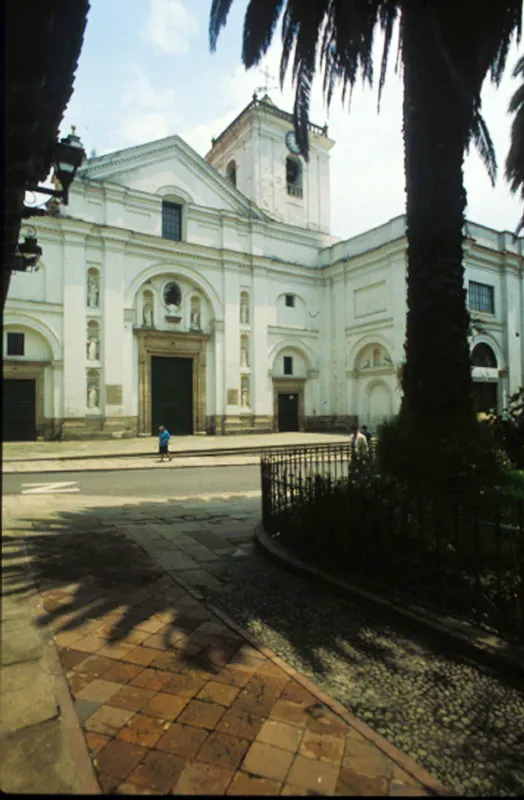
(481, 297)
(171, 220)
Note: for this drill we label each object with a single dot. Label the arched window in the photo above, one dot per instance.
(483, 356)
(231, 172)
(294, 176)
(171, 220)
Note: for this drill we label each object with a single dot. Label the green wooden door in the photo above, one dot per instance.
(172, 395)
(19, 413)
(287, 412)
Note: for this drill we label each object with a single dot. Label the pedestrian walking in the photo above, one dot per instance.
(359, 444)
(367, 433)
(163, 441)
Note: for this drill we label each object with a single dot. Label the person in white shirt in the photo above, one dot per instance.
(359, 443)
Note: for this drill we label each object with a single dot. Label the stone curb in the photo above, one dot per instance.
(401, 759)
(87, 782)
(196, 453)
(492, 651)
(38, 469)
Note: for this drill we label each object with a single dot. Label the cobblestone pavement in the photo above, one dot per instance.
(170, 698)
(463, 724)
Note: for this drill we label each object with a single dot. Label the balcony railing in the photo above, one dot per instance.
(294, 190)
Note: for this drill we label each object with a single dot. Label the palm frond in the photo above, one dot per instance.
(259, 26)
(514, 171)
(509, 23)
(484, 144)
(217, 20)
(388, 17)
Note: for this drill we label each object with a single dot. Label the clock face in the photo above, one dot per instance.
(291, 143)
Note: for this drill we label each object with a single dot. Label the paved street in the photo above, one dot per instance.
(457, 720)
(167, 483)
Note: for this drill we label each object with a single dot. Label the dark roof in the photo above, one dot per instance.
(43, 39)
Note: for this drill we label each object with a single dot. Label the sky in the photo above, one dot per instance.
(146, 72)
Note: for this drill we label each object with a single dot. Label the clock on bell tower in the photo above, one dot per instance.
(258, 153)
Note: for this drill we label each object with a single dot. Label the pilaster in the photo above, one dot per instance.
(74, 324)
(113, 333)
(231, 360)
(262, 400)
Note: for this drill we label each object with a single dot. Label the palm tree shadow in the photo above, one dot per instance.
(88, 570)
(89, 573)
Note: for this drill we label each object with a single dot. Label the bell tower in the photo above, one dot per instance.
(257, 152)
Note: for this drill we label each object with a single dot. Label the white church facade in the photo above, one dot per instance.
(209, 295)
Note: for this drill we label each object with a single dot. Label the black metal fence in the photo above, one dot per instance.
(462, 558)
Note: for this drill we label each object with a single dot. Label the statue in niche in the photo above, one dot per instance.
(92, 291)
(366, 364)
(244, 310)
(377, 357)
(92, 396)
(195, 319)
(244, 354)
(148, 315)
(244, 395)
(92, 348)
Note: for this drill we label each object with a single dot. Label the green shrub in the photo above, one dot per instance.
(509, 429)
(441, 456)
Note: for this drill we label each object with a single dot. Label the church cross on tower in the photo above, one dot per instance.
(268, 82)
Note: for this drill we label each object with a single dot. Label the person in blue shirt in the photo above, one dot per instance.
(163, 440)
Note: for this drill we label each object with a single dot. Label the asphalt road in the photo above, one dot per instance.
(190, 481)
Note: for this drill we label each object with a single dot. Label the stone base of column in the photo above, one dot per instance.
(238, 424)
(331, 423)
(99, 428)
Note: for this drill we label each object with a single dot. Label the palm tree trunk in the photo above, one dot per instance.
(437, 374)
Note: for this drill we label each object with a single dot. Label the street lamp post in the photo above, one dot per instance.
(68, 156)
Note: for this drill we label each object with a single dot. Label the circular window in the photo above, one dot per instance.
(172, 294)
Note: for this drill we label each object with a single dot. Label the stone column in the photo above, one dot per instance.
(74, 332)
(113, 330)
(130, 370)
(232, 347)
(57, 410)
(513, 320)
(219, 385)
(327, 378)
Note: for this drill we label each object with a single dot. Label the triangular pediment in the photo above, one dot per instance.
(169, 165)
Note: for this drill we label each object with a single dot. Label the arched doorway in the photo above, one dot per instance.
(290, 371)
(379, 403)
(28, 377)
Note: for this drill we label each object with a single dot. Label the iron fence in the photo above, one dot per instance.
(462, 557)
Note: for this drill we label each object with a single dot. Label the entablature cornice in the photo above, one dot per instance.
(294, 331)
(35, 305)
(486, 321)
(369, 259)
(372, 325)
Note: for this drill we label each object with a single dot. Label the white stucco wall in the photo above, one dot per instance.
(350, 295)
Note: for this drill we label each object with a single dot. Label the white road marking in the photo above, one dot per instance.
(50, 488)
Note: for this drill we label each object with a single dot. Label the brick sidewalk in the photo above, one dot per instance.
(180, 700)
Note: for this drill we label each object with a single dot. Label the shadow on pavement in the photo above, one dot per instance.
(87, 568)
